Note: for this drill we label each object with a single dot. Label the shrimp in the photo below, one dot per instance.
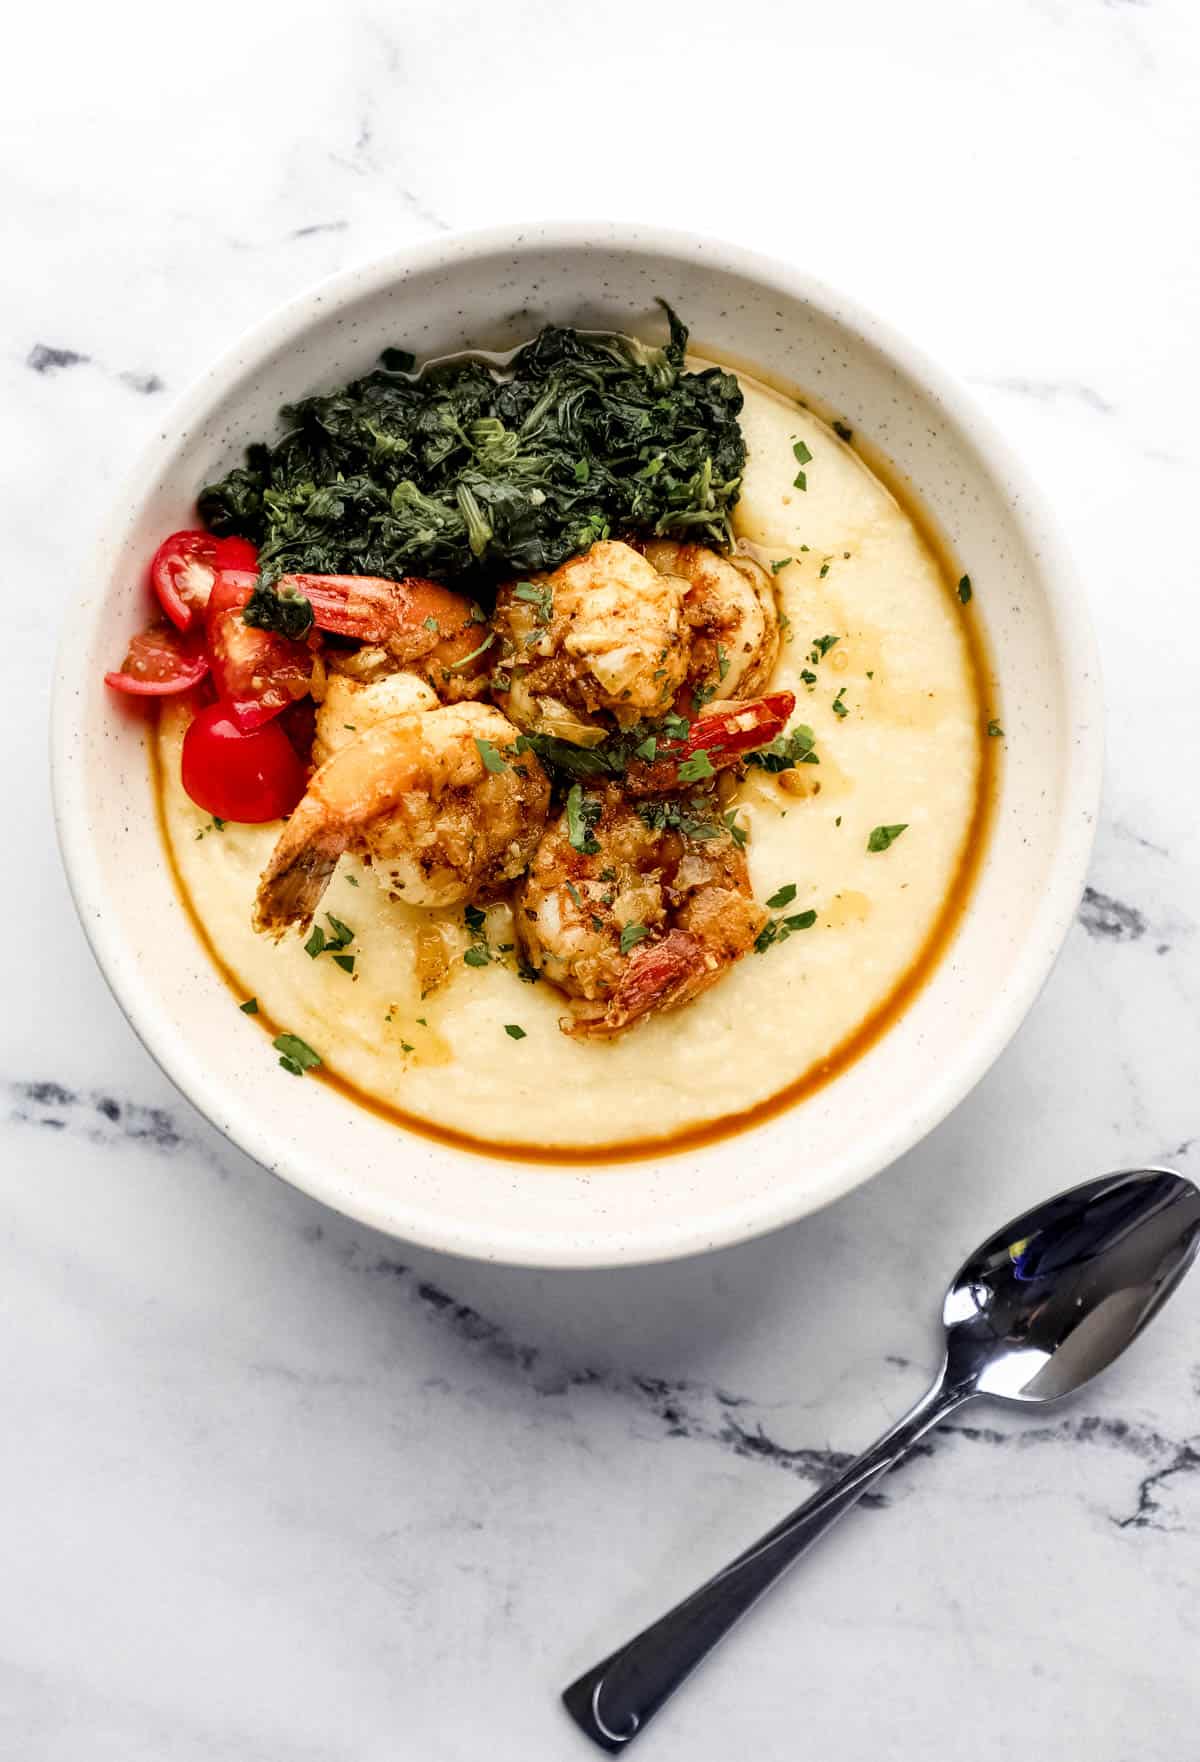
(350, 706)
(415, 623)
(601, 639)
(439, 800)
(730, 611)
(642, 920)
(625, 635)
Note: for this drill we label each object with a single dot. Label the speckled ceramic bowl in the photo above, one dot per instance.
(492, 289)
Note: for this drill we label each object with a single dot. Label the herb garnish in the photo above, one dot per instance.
(964, 589)
(695, 768)
(461, 472)
(994, 729)
(839, 708)
(693, 818)
(339, 936)
(882, 837)
(513, 1031)
(631, 935)
(786, 751)
(250, 1007)
(540, 598)
(296, 1055)
(457, 666)
(779, 929)
(803, 457)
(821, 647)
(781, 563)
(782, 896)
(843, 431)
(582, 814)
(492, 759)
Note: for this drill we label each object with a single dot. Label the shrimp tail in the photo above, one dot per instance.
(291, 885)
(660, 976)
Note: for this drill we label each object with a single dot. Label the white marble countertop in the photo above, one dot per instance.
(274, 1488)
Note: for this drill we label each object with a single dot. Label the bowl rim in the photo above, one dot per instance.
(1082, 766)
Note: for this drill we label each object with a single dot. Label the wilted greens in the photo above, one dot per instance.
(465, 474)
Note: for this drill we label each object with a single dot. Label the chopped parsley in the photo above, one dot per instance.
(431, 624)
(337, 937)
(479, 954)
(345, 962)
(695, 769)
(782, 896)
(786, 751)
(486, 644)
(647, 748)
(513, 1031)
(779, 929)
(994, 729)
(250, 1007)
(576, 896)
(821, 647)
(882, 837)
(540, 598)
(352, 880)
(964, 589)
(492, 759)
(824, 570)
(631, 935)
(735, 831)
(843, 431)
(839, 708)
(780, 563)
(582, 814)
(722, 662)
(692, 818)
(296, 1055)
(803, 457)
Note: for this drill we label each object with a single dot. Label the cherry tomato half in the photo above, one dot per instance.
(237, 775)
(185, 566)
(160, 661)
(256, 672)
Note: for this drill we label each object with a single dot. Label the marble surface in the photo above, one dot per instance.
(274, 1488)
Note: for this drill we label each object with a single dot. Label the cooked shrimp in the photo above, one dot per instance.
(642, 921)
(599, 640)
(350, 706)
(624, 635)
(438, 800)
(439, 634)
(730, 611)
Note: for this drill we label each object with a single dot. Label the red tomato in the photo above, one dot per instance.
(185, 567)
(160, 661)
(256, 672)
(237, 775)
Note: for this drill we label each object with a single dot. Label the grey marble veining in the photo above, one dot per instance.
(280, 1490)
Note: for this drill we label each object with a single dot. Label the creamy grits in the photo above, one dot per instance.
(897, 716)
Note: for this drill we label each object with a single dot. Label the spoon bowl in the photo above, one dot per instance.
(1031, 1316)
(1051, 1299)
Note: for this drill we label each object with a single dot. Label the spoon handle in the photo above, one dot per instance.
(617, 1698)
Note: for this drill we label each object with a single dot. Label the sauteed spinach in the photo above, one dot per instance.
(465, 474)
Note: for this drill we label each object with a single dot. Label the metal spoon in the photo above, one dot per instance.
(1035, 1312)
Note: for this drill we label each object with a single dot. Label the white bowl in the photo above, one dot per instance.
(493, 289)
